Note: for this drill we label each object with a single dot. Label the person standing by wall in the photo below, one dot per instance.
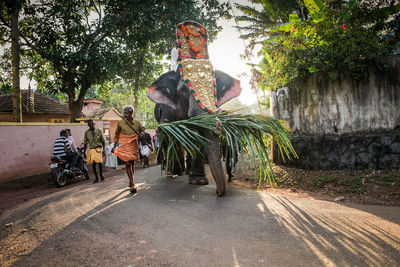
(95, 139)
(126, 145)
(111, 159)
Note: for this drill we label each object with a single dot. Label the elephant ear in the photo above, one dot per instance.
(163, 90)
(227, 87)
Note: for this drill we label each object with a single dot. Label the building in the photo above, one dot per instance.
(105, 119)
(91, 104)
(36, 107)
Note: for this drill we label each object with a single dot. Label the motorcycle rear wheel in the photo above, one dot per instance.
(59, 178)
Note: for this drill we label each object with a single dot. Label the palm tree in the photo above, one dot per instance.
(262, 18)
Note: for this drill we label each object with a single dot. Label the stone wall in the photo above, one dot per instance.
(345, 123)
(345, 152)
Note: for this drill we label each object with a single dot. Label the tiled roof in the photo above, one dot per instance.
(98, 113)
(42, 104)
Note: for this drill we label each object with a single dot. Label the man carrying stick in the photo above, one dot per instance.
(126, 137)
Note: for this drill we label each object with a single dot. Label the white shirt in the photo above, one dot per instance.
(174, 58)
(72, 142)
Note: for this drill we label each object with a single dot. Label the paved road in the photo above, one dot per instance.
(172, 223)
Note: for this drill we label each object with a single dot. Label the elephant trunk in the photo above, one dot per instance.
(215, 163)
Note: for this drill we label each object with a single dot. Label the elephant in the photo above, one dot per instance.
(164, 113)
(169, 89)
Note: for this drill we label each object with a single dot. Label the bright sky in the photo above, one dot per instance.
(225, 54)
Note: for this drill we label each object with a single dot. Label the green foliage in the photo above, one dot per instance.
(259, 22)
(345, 36)
(119, 94)
(146, 110)
(72, 45)
(5, 87)
(244, 132)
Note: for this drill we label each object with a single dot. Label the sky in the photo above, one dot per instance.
(225, 54)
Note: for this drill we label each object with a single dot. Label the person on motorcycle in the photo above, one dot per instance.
(71, 140)
(74, 149)
(62, 148)
(95, 139)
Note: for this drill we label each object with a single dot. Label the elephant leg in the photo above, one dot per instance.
(197, 174)
(215, 163)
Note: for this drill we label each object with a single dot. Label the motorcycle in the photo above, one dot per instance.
(61, 171)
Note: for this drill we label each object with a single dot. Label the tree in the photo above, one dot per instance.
(90, 42)
(338, 36)
(258, 23)
(12, 8)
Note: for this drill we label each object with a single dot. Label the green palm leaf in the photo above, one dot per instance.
(242, 133)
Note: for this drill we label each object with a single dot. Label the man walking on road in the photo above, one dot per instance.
(126, 144)
(95, 139)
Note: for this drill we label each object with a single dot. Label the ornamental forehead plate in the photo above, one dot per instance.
(199, 72)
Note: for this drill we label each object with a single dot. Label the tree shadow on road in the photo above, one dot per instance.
(169, 222)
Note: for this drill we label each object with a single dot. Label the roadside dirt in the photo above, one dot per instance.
(378, 187)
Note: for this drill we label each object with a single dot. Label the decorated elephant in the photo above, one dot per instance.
(170, 90)
(192, 89)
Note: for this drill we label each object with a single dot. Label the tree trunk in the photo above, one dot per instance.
(75, 106)
(136, 83)
(76, 109)
(15, 66)
(136, 103)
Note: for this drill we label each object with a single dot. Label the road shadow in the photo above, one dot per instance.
(169, 222)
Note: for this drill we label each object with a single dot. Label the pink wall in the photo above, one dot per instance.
(26, 149)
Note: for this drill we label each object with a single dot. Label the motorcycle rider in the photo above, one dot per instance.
(74, 149)
(62, 148)
(71, 140)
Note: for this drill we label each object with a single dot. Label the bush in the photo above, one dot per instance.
(346, 36)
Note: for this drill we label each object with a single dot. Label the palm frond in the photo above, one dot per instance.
(240, 132)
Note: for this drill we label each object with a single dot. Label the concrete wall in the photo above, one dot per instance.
(318, 106)
(26, 148)
(345, 123)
